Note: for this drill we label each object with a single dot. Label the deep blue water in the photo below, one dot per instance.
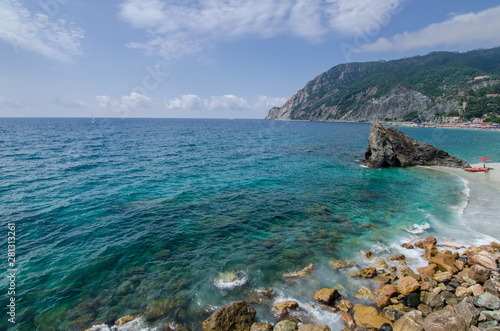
(130, 213)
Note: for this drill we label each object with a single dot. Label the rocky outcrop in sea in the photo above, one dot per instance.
(388, 148)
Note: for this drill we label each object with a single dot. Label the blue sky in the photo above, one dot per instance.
(209, 58)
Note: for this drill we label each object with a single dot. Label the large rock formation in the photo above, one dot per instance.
(237, 316)
(388, 147)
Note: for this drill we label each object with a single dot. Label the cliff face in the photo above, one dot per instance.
(399, 90)
(388, 147)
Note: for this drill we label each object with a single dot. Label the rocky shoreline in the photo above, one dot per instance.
(458, 289)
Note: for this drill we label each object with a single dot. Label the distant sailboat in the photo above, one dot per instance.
(93, 120)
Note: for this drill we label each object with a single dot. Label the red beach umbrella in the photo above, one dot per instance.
(484, 160)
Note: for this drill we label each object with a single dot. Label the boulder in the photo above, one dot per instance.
(431, 299)
(382, 279)
(301, 273)
(478, 273)
(386, 290)
(392, 314)
(388, 148)
(429, 270)
(367, 254)
(406, 285)
(444, 262)
(282, 308)
(488, 325)
(261, 327)
(488, 301)
(485, 259)
(341, 264)
(344, 305)
(326, 295)
(442, 277)
(348, 320)
(237, 316)
(383, 301)
(412, 300)
(476, 290)
(365, 293)
(492, 287)
(487, 315)
(412, 321)
(369, 272)
(427, 241)
(444, 320)
(397, 257)
(368, 317)
(380, 264)
(285, 325)
(467, 310)
(463, 291)
(407, 246)
(314, 327)
(430, 251)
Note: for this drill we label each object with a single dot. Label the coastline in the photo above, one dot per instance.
(484, 190)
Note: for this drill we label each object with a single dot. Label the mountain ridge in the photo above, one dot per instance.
(426, 86)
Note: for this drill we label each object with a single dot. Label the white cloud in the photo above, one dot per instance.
(53, 38)
(176, 28)
(224, 102)
(134, 100)
(9, 103)
(472, 30)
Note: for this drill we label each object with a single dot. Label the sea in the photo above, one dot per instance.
(172, 218)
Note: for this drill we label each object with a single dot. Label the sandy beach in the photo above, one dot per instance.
(480, 213)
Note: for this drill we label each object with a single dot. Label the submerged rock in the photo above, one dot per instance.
(302, 273)
(388, 148)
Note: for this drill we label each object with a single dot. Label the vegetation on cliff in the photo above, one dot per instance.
(417, 87)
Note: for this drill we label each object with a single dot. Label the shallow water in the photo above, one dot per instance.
(134, 215)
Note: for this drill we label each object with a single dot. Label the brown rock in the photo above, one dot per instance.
(463, 291)
(364, 293)
(492, 287)
(125, 319)
(476, 290)
(382, 279)
(314, 327)
(485, 259)
(430, 270)
(406, 285)
(412, 321)
(478, 273)
(380, 264)
(397, 257)
(344, 305)
(445, 262)
(407, 272)
(430, 251)
(459, 264)
(285, 325)
(348, 320)
(368, 317)
(426, 286)
(383, 301)
(341, 264)
(386, 290)
(282, 308)
(326, 295)
(425, 242)
(261, 327)
(369, 272)
(301, 273)
(237, 316)
(444, 320)
(487, 248)
(407, 246)
(367, 254)
(495, 245)
(442, 277)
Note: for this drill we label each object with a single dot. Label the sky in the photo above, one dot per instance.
(209, 58)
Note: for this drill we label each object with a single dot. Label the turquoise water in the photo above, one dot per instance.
(131, 214)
